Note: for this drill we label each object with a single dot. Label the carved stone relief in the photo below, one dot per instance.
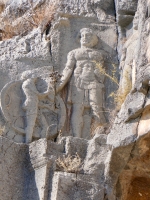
(31, 107)
(85, 89)
(82, 85)
(65, 109)
(34, 108)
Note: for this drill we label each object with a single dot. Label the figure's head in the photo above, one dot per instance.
(25, 75)
(28, 75)
(88, 38)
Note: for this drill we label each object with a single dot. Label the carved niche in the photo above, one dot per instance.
(84, 85)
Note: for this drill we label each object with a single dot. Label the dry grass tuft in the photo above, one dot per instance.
(33, 18)
(2, 5)
(119, 96)
(1, 131)
(71, 164)
(103, 71)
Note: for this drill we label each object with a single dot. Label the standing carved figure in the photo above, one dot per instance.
(85, 81)
(31, 104)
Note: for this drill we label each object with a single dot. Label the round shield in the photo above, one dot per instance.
(12, 99)
(11, 104)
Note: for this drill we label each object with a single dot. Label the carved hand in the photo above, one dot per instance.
(59, 87)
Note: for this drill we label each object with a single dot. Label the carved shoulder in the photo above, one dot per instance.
(71, 55)
(71, 59)
(98, 56)
(77, 53)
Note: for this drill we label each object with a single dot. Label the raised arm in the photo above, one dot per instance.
(68, 70)
(49, 89)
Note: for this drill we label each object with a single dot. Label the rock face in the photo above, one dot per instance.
(40, 103)
(64, 73)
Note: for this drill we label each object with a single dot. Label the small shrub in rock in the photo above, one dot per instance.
(2, 5)
(33, 18)
(71, 164)
(118, 96)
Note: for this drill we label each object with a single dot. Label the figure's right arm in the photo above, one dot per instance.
(68, 70)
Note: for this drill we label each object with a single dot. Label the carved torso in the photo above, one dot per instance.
(87, 54)
(30, 90)
(84, 70)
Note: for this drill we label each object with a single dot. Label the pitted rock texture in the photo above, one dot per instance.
(114, 154)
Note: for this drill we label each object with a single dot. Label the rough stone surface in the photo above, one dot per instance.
(58, 87)
(13, 169)
(43, 106)
(75, 187)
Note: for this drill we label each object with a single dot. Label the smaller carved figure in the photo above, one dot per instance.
(31, 106)
(31, 103)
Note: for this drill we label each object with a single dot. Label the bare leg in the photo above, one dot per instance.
(44, 126)
(30, 118)
(98, 114)
(43, 123)
(77, 111)
(77, 120)
(96, 103)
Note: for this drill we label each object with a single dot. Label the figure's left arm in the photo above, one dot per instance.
(48, 91)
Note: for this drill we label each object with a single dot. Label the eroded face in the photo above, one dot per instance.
(87, 39)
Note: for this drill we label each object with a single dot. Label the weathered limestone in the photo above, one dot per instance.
(127, 62)
(86, 84)
(29, 105)
(128, 179)
(69, 116)
(39, 167)
(75, 186)
(84, 98)
(13, 171)
(39, 176)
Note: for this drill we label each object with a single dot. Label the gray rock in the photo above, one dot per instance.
(71, 121)
(75, 187)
